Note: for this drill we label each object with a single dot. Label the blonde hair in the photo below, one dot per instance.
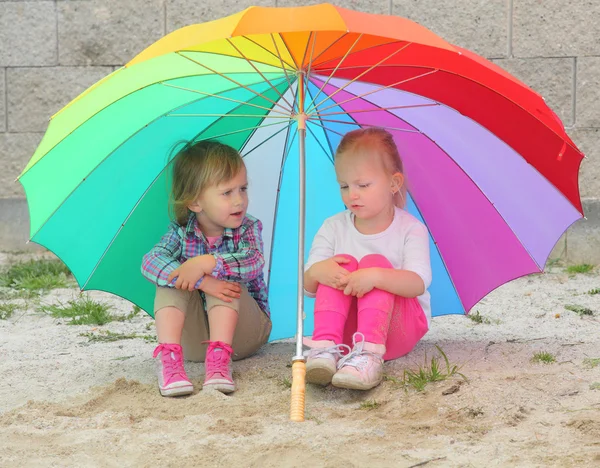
(196, 167)
(376, 141)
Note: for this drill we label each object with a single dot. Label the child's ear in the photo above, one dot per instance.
(195, 206)
(397, 182)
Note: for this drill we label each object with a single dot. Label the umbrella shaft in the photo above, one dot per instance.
(300, 311)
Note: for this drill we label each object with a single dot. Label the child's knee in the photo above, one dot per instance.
(374, 260)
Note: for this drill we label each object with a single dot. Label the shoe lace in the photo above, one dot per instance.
(336, 350)
(358, 357)
(172, 360)
(218, 356)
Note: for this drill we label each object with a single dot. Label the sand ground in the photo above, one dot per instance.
(69, 401)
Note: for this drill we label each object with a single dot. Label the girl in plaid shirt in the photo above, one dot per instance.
(208, 269)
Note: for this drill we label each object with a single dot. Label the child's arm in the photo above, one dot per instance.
(323, 267)
(247, 262)
(415, 276)
(162, 260)
(411, 281)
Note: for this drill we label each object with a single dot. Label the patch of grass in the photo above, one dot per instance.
(7, 310)
(579, 310)
(431, 371)
(543, 357)
(285, 382)
(391, 378)
(591, 362)
(594, 291)
(122, 358)
(478, 318)
(8, 294)
(36, 275)
(583, 268)
(106, 336)
(369, 405)
(595, 386)
(82, 311)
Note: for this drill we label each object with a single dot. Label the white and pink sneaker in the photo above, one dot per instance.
(172, 379)
(322, 359)
(218, 367)
(362, 369)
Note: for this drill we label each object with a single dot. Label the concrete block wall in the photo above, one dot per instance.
(52, 50)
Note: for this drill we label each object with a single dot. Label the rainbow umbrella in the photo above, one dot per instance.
(491, 170)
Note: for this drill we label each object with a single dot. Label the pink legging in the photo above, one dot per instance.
(382, 317)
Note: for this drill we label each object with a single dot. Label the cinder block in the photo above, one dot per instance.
(480, 26)
(14, 226)
(28, 34)
(583, 237)
(182, 13)
(35, 94)
(588, 91)
(551, 77)
(380, 7)
(15, 151)
(110, 32)
(588, 141)
(2, 100)
(555, 28)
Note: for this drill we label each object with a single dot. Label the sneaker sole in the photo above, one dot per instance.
(177, 391)
(223, 388)
(319, 376)
(343, 381)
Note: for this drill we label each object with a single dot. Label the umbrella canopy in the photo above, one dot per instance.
(490, 168)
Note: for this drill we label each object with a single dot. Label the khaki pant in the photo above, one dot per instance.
(252, 330)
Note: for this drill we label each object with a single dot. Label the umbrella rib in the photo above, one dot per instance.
(318, 114)
(334, 70)
(142, 197)
(362, 50)
(359, 76)
(422, 217)
(260, 73)
(310, 59)
(218, 54)
(283, 159)
(328, 153)
(314, 122)
(228, 78)
(265, 140)
(369, 125)
(380, 88)
(331, 152)
(460, 168)
(228, 98)
(229, 115)
(268, 51)
(123, 142)
(284, 69)
(330, 46)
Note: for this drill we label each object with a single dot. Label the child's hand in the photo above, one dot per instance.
(223, 290)
(330, 273)
(189, 272)
(360, 282)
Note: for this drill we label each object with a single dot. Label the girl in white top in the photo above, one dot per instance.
(369, 268)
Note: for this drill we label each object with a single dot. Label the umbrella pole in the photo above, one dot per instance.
(299, 362)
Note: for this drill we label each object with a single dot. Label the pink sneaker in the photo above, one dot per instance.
(172, 379)
(362, 369)
(322, 359)
(218, 367)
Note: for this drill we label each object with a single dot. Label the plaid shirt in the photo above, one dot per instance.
(238, 254)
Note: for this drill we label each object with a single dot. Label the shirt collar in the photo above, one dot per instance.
(193, 228)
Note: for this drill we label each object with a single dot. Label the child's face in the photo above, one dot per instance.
(366, 186)
(223, 205)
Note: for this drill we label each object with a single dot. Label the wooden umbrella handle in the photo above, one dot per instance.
(298, 391)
